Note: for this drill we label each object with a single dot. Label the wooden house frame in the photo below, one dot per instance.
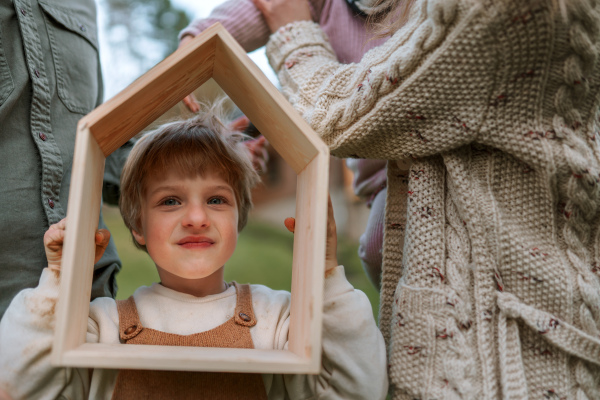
(213, 54)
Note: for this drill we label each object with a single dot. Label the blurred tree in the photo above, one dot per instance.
(148, 28)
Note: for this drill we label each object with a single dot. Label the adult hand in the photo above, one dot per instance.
(257, 146)
(54, 241)
(4, 395)
(190, 100)
(331, 250)
(279, 13)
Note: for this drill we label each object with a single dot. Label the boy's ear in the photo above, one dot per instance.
(138, 238)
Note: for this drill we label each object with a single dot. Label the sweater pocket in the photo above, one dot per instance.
(431, 349)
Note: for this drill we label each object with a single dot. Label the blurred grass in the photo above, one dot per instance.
(263, 256)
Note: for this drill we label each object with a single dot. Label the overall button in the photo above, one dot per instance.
(23, 12)
(245, 317)
(42, 136)
(51, 203)
(130, 330)
(37, 73)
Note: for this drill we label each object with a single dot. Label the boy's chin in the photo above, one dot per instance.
(194, 273)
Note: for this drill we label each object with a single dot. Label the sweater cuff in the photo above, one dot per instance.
(189, 31)
(336, 283)
(41, 301)
(49, 279)
(294, 36)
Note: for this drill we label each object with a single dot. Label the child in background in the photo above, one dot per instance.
(185, 197)
(346, 26)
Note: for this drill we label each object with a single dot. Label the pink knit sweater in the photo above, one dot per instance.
(350, 39)
(347, 33)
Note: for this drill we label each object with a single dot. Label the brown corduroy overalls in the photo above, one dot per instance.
(181, 385)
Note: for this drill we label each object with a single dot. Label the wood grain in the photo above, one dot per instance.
(78, 253)
(264, 105)
(154, 93)
(186, 358)
(214, 54)
(308, 268)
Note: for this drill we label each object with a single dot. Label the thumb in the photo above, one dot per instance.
(102, 239)
(290, 224)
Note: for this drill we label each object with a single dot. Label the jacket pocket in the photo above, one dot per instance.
(6, 83)
(431, 353)
(74, 42)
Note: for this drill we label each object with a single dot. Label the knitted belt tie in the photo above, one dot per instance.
(559, 333)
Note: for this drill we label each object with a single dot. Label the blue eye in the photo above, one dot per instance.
(170, 202)
(217, 200)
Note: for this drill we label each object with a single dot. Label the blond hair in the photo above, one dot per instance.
(391, 17)
(395, 13)
(193, 147)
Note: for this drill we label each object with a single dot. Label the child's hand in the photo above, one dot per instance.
(256, 146)
(279, 13)
(258, 152)
(54, 241)
(331, 249)
(190, 100)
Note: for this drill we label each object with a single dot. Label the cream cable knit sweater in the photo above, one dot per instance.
(353, 356)
(496, 292)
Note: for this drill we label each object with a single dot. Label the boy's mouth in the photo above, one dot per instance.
(191, 242)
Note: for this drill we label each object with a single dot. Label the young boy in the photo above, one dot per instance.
(185, 197)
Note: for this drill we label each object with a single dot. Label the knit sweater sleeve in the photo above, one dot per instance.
(26, 336)
(243, 21)
(353, 361)
(423, 92)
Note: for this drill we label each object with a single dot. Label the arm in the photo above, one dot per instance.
(353, 360)
(112, 173)
(240, 18)
(27, 332)
(243, 21)
(425, 91)
(26, 336)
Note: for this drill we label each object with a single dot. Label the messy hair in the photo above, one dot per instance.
(192, 147)
(391, 15)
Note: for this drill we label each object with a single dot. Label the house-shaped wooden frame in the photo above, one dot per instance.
(213, 54)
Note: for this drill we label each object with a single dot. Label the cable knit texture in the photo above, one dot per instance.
(496, 291)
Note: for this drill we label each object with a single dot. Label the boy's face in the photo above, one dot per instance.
(189, 226)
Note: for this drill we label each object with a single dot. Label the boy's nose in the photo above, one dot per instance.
(196, 217)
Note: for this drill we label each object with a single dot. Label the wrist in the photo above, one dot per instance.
(330, 265)
(55, 268)
(185, 39)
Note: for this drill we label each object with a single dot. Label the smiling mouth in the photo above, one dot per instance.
(195, 243)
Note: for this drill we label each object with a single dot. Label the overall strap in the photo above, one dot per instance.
(244, 313)
(182, 385)
(129, 320)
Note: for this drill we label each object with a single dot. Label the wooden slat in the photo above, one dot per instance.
(264, 105)
(185, 358)
(309, 260)
(78, 253)
(154, 93)
(115, 122)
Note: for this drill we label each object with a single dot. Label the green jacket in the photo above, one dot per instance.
(50, 77)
